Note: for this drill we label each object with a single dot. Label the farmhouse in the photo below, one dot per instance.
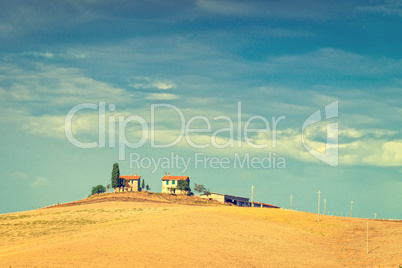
(132, 183)
(169, 183)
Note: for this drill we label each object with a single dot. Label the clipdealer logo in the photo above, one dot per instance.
(243, 131)
(239, 126)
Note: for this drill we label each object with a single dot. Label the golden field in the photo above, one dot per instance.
(107, 232)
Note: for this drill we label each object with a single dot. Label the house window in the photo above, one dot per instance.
(167, 182)
(173, 182)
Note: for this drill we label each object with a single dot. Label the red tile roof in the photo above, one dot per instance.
(174, 178)
(130, 177)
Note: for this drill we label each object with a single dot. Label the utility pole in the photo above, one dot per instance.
(319, 192)
(252, 195)
(367, 237)
(291, 196)
(351, 207)
(325, 204)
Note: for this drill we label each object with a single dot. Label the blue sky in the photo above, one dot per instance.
(278, 58)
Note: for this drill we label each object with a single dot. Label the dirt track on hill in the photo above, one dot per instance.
(141, 234)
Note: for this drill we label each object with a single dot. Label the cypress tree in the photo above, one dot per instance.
(115, 176)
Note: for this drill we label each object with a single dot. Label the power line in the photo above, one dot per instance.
(367, 236)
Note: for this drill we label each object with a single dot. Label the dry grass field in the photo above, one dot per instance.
(134, 233)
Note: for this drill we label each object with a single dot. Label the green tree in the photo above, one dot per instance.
(98, 189)
(143, 184)
(170, 189)
(115, 176)
(199, 188)
(183, 186)
(207, 192)
(147, 187)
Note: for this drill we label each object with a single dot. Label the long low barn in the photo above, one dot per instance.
(264, 205)
(236, 200)
(225, 198)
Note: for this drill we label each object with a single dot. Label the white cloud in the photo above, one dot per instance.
(39, 181)
(149, 83)
(161, 96)
(52, 87)
(373, 152)
(164, 85)
(373, 147)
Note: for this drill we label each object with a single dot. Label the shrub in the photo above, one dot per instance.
(98, 189)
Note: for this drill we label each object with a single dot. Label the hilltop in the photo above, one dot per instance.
(110, 231)
(143, 196)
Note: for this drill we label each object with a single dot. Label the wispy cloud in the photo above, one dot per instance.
(335, 62)
(52, 126)
(27, 19)
(387, 7)
(227, 7)
(38, 54)
(164, 85)
(161, 96)
(149, 83)
(289, 10)
(55, 88)
(44, 92)
(33, 181)
(39, 181)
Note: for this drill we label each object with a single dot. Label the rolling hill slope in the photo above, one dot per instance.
(105, 232)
